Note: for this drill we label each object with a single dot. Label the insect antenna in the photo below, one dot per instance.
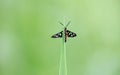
(61, 23)
(68, 23)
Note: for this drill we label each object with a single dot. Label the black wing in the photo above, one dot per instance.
(71, 34)
(58, 35)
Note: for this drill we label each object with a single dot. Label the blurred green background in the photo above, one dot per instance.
(27, 25)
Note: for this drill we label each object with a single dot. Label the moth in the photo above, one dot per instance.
(65, 32)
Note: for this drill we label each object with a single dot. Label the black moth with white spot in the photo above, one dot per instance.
(67, 33)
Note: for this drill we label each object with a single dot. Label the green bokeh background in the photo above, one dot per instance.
(27, 25)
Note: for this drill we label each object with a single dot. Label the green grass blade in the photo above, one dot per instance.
(63, 65)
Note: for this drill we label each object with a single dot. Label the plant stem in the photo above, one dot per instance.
(63, 65)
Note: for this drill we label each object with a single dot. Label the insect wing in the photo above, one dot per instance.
(58, 35)
(71, 34)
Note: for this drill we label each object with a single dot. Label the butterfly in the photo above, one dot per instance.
(67, 33)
